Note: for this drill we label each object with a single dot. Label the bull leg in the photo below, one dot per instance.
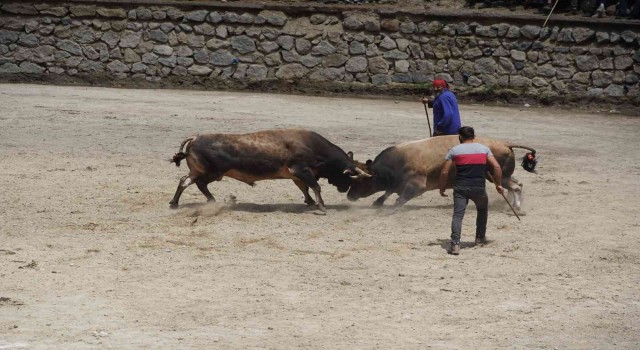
(202, 186)
(380, 201)
(514, 194)
(305, 190)
(185, 182)
(412, 189)
(307, 177)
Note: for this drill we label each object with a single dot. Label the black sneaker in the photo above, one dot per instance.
(481, 241)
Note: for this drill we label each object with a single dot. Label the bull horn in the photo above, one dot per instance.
(348, 171)
(363, 173)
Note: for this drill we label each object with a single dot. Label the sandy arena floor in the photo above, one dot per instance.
(91, 255)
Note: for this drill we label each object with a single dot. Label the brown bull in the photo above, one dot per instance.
(412, 168)
(299, 155)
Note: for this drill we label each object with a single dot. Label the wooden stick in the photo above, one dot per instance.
(505, 198)
(550, 12)
(428, 121)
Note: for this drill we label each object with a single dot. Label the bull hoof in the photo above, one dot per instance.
(173, 205)
(310, 202)
(377, 204)
(322, 208)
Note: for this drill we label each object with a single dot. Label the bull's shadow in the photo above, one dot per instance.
(291, 208)
(283, 207)
(411, 207)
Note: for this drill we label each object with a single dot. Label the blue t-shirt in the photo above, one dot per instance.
(446, 116)
(470, 160)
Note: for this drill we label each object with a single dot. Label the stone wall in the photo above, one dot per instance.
(247, 46)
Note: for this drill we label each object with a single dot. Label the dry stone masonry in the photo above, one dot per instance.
(232, 46)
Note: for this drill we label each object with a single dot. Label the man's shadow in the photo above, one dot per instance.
(446, 243)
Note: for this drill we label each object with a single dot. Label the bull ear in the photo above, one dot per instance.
(350, 154)
(369, 161)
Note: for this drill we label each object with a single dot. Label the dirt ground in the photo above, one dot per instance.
(91, 255)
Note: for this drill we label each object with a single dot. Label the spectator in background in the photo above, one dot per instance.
(598, 11)
(472, 3)
(575, 7)
(623, 9)
(446, 115)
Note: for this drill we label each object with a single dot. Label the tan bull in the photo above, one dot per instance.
(412, 168)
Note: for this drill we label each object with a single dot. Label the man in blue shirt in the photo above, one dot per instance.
(446, 116)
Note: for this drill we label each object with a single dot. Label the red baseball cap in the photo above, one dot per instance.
(440, 83)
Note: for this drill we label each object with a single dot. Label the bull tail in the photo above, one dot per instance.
(529, 160)
(533, 151)
(182, 151)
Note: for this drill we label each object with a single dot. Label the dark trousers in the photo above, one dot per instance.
(461, 197)
(623, 8)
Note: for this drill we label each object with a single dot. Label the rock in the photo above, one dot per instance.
(334, 60)
(401, 66)
(378, 65)
(285, 41)
(622, 62)
(323, 48)
(276, 18)
(407, 27)
(150, 58)
(328, 74)
(256, 72)
(358, 64)
(530, 31)
(222, 58)
(28, 40)
(20, 9)
(614, 90)
(158, 35)
(243, 44)
(163, 50)
(291, 71)
(388, 43)
(486, 31)
(111, 12)
(8, 37)
(519, 81)
(117, 67)
(390, 25)
(583, 34)
(196, 16)
(58, 11)
(199, 70)
(130, 39)
(396, 55)
(10, 68)
(353, 22)
(175, 14)
(587, 62)
(184, 61)
(69, 46)
(486, 65)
